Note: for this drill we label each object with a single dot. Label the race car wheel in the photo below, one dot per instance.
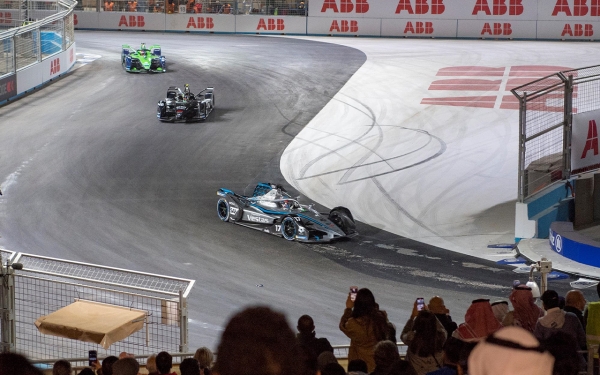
(342, 217)
(289, 228)
(223, 209)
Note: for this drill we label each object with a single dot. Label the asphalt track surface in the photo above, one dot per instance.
(89, 174)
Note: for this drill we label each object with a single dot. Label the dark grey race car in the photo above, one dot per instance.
(272, 210)
(184, 106)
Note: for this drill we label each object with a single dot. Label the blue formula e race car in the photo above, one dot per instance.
(143, 60)
(272, 210)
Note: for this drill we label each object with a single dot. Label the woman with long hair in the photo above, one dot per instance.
(365, 325)
(425, 337)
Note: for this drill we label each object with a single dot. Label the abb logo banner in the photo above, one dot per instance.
(55, 66)
(421, 27)
(270, 25)
(569, 10)
(567, 30)
(585, 154)
(8, 87)
(6, 18)
(496, 30)
(436, 9)
(128, 21)
(204, 22)
(344, 26)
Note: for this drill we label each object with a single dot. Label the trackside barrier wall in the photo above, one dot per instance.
(45, 285)
(35, 52)
(488, 19)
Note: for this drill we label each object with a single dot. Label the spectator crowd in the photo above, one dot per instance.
(493, 339)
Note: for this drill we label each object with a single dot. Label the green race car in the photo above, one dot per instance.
(143, 60)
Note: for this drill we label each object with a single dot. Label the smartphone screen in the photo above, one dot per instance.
(353, 291)
(93, 357)
(420, 304)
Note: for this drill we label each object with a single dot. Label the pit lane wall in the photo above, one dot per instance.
(488, 19)
(565, 241)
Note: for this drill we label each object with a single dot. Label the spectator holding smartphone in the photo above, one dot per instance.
(365, 325)
(425, 337)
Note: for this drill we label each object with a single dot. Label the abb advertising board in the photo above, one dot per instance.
(201, 22)
(270, 24)
(436, 9)
(131, 21)
(584, 142)
(8, 87)
(344, 25)
(568, 19)
(419, 28)
(501, 29)
(9, 18)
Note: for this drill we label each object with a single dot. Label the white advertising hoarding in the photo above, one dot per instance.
(574, 30)
(426, 9)
(270, 24)
(569, 10)
(496, 29)
(86, 20)
(132, 21)
(207, 22)
(344, 26)
(584, 142)
(419, 28)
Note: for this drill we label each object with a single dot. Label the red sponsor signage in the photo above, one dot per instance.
(578, 29)
(200, 23)
(270, 24)
(420, 7)
(345, 6)
(5, 17)
(498, 7)
(8, 87)
(55, 66)
(419, 28)
(577, 8)
(71, 55)
(132, 21)
(591, 143)
(496, 28)
(344, 26)
(75, 19)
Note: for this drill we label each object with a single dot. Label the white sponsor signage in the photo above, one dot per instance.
(436, 9)
(132, 21)
(344, 26)
(264, 24)
(584, 143)
(571, 29)
(496, 29)
(419, 28)
(207, 22)
(568, 10)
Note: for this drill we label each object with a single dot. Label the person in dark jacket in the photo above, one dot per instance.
(436, 305)
(575, 303)
(307, 337)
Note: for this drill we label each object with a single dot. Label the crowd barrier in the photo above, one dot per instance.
(37, 46)
(483, 19)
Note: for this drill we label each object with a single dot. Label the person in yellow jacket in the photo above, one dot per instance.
(365, 325)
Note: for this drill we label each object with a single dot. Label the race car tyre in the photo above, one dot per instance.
(223, 209)
(342, 217)
(289, 228)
